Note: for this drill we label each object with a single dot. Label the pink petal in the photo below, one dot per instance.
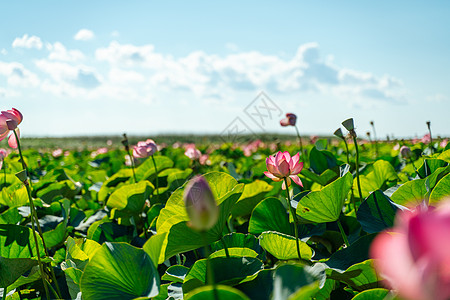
(394, 262)
(3, 132)
(294, 160)
(284, 122)
(297, 168)
(283, 168)
(12, 142)
(296, 179)
(283, 186)
(271, 176)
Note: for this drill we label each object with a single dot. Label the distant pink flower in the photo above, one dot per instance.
(9, 120)
(204, 159)
(284, 166)
(193, 153)
(426, 139)
(57, 153)
(444, 143)
(313, 139)
(396, 147)
(414, 256)
(145, 149)
(290, 119)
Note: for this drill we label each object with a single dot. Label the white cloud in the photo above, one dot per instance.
(17, 75)
(438, 98)
(59, 52)
(84, 35)
(27, 42)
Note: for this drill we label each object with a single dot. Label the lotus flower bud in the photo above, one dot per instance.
(348, 124)
(405, 152)
(200, 204)
(290, 120)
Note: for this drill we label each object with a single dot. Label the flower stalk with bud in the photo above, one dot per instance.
(348, 124)
(291, 120)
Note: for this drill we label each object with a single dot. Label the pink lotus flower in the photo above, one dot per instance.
(444, 143)
(57, 153)
(9, 120)
(290, 119)
(414, 256)
(284, 166)
(193, 153)
(145, 149)
(204, 159)
(426, 139)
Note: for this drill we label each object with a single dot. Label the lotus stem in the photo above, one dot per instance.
(225, 247)
(209, 269)
(294, 216)
(342, 233)
(300, 143)
(34, 218)
(357, 167)
(157, 179)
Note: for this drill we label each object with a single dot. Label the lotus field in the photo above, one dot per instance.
(336, 218)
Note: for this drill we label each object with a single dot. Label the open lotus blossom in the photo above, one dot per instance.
(290, 119)
(9, 120)
(414, 256)
(145, 149)
(284, 166)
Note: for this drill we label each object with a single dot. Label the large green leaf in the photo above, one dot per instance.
(130, 199)
(119, 271)
(283, 246)
(325, 205)
(379, 176)
(357, 252)
(321, 160)
(17, 252)
(230, 271)
(429, 166)
(376, 213)
(371, 294)
(294, 282)
(172, 220)
(147, 169)
(360, 276)
(441, 190)
(269, 215)
(221, 291)
(253, 193)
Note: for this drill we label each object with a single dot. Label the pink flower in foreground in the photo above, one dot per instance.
(9, 120)
(284, 166)
(414, 256)
(290, 119)
(145, 149)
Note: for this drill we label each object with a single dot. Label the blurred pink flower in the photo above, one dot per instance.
(313, 139)
(444, 143)
(193, 153)
(204, 159)
(414, 256)
(396, 147)
(426, 139)
(284, 166)
(290, 119)
(145, 149)
(9, 120)
(57, 153)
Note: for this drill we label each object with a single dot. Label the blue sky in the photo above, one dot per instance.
(147, 67)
